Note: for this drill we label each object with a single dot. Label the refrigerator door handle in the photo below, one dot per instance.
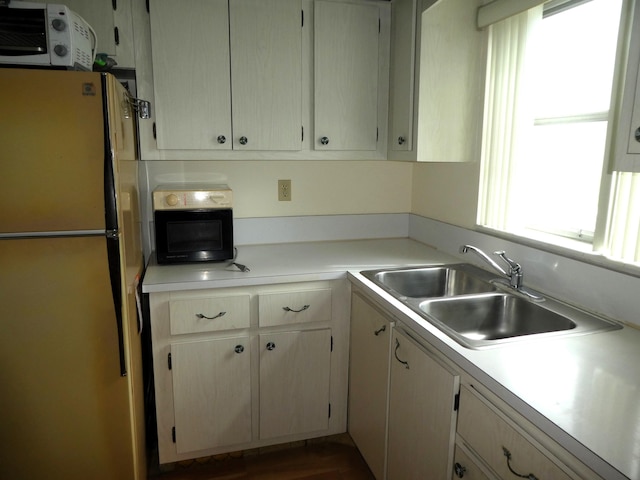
(112, 230)
(115, 274)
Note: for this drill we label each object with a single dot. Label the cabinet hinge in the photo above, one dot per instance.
(169, 363)
(173, 434)
(329, 410)
(114, 4)
(456, 402)
(116, 35)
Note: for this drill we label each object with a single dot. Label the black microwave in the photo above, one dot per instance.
(193, 224)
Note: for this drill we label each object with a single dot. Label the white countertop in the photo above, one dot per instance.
(583, 391)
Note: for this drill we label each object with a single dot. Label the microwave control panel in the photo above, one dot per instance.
(171, 198)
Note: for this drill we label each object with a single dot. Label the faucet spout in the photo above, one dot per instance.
(485, 257)
(514, 274)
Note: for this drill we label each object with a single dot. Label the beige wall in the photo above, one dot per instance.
(318, 187)
(446, 191)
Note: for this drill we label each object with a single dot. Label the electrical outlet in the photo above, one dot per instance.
(284, 190)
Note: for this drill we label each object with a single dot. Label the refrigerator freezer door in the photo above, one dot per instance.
(52, 155)
(65, 410)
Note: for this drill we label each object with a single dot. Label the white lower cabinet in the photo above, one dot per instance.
(494, 442)
(401, 399)
(413, 413)
(240, 368)
(368, 382)
(422, 414)
(207, 381)
(294, 382)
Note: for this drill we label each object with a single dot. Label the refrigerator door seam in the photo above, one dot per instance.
(55, 233)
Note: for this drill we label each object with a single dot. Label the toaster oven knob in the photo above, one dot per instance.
(58, 25)
(60, 50)
(172, 200)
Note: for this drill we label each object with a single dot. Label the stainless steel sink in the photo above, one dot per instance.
(495, 316)
(428, 282)
(467, 304)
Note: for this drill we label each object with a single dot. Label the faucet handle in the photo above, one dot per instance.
(513, 265)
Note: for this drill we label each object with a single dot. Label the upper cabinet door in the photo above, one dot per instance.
(266, 74)
(346, 76)
(191, 74)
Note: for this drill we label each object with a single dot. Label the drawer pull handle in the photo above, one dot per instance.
(507, 454)
(406, 364)
(459, 470)
(288, 309)
(380, 330)
(200, 315)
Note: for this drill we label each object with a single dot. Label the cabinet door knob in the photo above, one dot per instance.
(271, 346)
(243, 140)
(637, 134)
(221, 139)
(324, 140)
(239, 349)
(401, 140)
(459, 470)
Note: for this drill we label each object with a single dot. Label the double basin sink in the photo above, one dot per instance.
(471, 306)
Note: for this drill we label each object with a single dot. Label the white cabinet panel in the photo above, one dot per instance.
(346, 76)
(368, 382)
(294, 382)
(212, 393)
(421, 413)
(209, 314)
(191, 74)
(266, 71)
(288, 308)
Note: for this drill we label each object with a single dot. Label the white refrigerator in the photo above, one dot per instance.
(71, 401)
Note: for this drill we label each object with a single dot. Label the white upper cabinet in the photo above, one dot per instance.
(191, 74)
(215, 57)
(266, 74)
(626, 135)
(402, 79)
(111, 20)
(346, 76)
(265, 79)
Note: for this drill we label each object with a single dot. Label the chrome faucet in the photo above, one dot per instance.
(514, 274)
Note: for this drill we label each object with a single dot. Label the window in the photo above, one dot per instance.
(549, 88)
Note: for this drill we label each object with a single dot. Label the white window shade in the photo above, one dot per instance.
(506, 118)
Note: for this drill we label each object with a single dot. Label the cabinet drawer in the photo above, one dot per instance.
(295, 307)
(209, 314)
(487, 433)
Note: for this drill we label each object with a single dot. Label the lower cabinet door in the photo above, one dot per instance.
(294, 382)
(421, 413)
(211, 393)
(368, 382)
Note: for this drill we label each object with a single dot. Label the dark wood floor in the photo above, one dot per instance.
(334, 458)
